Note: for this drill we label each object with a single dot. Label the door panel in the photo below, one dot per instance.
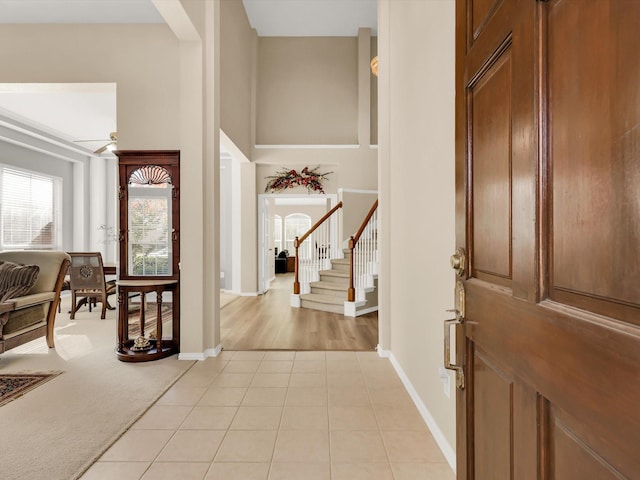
(595, 259)
(491, 112)
(548, 209)
(481, 10)
(562, 357)
(571, 457)
(493, 404)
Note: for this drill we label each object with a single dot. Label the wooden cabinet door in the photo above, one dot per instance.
(548, 211)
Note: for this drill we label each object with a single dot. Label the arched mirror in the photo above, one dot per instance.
(149, 244)
(149, 214)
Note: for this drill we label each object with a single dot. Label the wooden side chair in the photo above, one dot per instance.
(87, 282)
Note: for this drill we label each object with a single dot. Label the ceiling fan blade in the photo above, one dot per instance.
(110, 143)
(101, 149)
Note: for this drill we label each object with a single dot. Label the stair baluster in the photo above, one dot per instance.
(314, 255)
(363, 259)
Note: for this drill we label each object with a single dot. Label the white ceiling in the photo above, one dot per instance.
(312, 18)
(83, 112)
(88, 111)
(79, 11)
(269, 17)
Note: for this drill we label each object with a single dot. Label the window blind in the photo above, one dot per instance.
(28, 210)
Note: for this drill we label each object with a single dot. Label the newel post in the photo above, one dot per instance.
(351, 292)
(296, 281)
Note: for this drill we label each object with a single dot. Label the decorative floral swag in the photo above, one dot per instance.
(311, 179)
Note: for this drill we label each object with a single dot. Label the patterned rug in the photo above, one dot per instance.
(14, 385)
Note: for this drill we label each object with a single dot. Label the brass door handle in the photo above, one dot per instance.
(458, 260)
(447, 350)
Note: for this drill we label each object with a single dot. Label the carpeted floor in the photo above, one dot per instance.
(14, 385)
(58, 429)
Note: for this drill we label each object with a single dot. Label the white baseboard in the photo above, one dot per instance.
(382, 352)
(248, 294)
(213, 352)
(231, 292)
(209, 352)
(191, 356)
(364, 311)
(447, 450)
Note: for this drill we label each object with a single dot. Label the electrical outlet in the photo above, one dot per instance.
(221, 274)
(445, 378)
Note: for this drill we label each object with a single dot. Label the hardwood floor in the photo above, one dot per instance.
(267, 322)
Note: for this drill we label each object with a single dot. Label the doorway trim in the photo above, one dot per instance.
(264, 276)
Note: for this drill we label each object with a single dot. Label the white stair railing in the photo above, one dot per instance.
(364, 257)
(315, 250)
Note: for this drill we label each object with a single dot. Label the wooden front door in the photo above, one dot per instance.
(548, 211)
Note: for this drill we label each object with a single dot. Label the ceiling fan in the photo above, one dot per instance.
(110, 145)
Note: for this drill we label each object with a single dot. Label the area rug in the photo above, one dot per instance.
(14, 385)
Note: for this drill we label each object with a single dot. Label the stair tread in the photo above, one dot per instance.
(315, 297)
(334, 273)
(329, 286)
(340, 260)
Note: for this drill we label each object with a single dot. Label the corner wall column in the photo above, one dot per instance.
(364, 87)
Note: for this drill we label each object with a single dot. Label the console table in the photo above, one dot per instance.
(127, 350)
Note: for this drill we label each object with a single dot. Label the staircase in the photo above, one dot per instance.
(330, 292)
(349, 286)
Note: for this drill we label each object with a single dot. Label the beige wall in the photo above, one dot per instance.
(417, 193)
(165, 100)
(199, 35)
(313, 104)
(307, 91)
(355, 168)
(237, 70)
(141, 59)
(355, 209)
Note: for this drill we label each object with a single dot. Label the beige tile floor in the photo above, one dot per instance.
(280, 416)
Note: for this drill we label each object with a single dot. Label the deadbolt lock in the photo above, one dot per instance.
(458, 261)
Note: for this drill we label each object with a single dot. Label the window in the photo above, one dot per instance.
(29, 205)
(277, 233)
(295, 225)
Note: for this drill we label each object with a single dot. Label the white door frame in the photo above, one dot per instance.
(264, 234)
(264, 274)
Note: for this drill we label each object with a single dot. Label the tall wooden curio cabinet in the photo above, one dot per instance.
(149, 275)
